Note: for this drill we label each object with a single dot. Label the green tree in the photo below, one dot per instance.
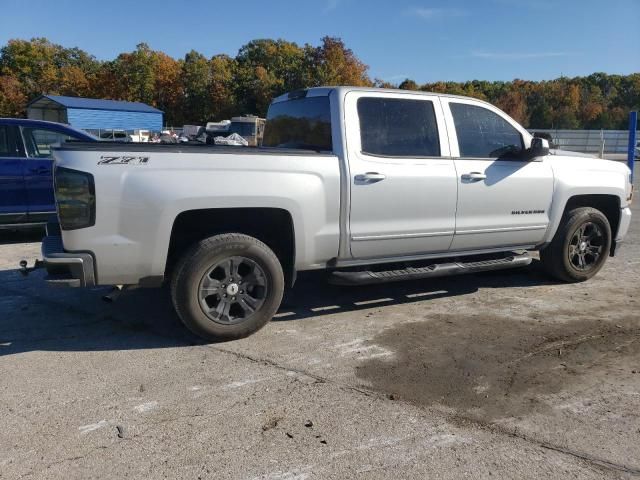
(222, 90)
(197, 89)
(196, 84)
(332, 63)
(408, 84)
(265, 69)
(135, 75)
(44, 67)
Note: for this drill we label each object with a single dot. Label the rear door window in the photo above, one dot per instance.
(8, 146)
(300, 123)
(483, 133)
(39, 141)
(396, 127)
(5, 149)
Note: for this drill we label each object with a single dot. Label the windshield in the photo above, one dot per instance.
(301, 123)
(81, 134)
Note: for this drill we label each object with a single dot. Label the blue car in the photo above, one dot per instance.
(26, 181)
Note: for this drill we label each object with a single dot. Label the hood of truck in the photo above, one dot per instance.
(577, 162)
(593, 173)
(568, 153)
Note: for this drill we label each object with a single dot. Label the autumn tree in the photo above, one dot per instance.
(593, 105)
(514, 102)
(73, 81)
(332, 63)
(168, 89)
(196, 89)
(12, 98)
(44, 67)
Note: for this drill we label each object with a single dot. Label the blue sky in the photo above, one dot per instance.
(424, 40)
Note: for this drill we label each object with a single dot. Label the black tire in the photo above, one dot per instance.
(196, 294)
(561, 258)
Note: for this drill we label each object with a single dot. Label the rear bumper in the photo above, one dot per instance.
(64, 268)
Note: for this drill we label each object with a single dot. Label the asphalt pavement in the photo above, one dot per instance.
(497, 375)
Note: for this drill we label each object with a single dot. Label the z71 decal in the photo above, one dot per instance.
(123, 160)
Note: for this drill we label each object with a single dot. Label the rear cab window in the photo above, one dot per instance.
(299, 123)
(398, 127)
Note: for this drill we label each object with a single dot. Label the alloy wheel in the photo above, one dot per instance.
(232, 290)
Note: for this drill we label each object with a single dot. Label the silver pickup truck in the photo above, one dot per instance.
(372, 185)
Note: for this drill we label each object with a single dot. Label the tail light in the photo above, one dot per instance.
(75, 198)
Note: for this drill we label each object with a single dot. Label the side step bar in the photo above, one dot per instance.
(435, 270)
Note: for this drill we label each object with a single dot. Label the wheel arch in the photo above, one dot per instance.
(608, 204)
(273, 226)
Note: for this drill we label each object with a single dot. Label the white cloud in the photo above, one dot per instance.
(331, 5)
(396, 78)
(436, 13)
(535, 4)
(517, 55)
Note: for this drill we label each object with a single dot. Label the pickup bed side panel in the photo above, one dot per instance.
(136, 205)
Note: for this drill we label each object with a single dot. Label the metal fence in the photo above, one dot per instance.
(597, 142)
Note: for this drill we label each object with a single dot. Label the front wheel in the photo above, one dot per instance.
(580, 247)
(227, 287)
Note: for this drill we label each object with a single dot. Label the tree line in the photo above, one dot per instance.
(197, 89)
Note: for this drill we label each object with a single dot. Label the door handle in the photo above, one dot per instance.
(473, 176)
(368, 178)
(39, 170)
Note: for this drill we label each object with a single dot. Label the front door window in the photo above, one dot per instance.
(483, 133)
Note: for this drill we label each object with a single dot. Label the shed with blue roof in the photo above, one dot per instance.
(95, 114)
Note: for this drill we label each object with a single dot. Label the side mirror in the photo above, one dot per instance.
(539, 147)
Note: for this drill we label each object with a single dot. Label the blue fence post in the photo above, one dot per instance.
(631, 153)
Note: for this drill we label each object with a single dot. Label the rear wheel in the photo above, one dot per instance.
(227, 287)
(580, 247)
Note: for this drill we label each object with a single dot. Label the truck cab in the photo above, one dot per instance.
(26, 167)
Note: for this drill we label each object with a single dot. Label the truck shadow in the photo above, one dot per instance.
(34, 317)
(313, 296)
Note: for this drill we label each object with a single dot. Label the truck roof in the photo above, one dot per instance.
(325, 91)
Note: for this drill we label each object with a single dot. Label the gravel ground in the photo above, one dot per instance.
(501, 375)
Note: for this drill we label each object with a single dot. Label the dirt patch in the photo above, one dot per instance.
(493, 367)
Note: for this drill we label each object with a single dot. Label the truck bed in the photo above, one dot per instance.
(185, 148)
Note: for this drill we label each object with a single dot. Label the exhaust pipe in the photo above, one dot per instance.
(117, 290)
(113, 295)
